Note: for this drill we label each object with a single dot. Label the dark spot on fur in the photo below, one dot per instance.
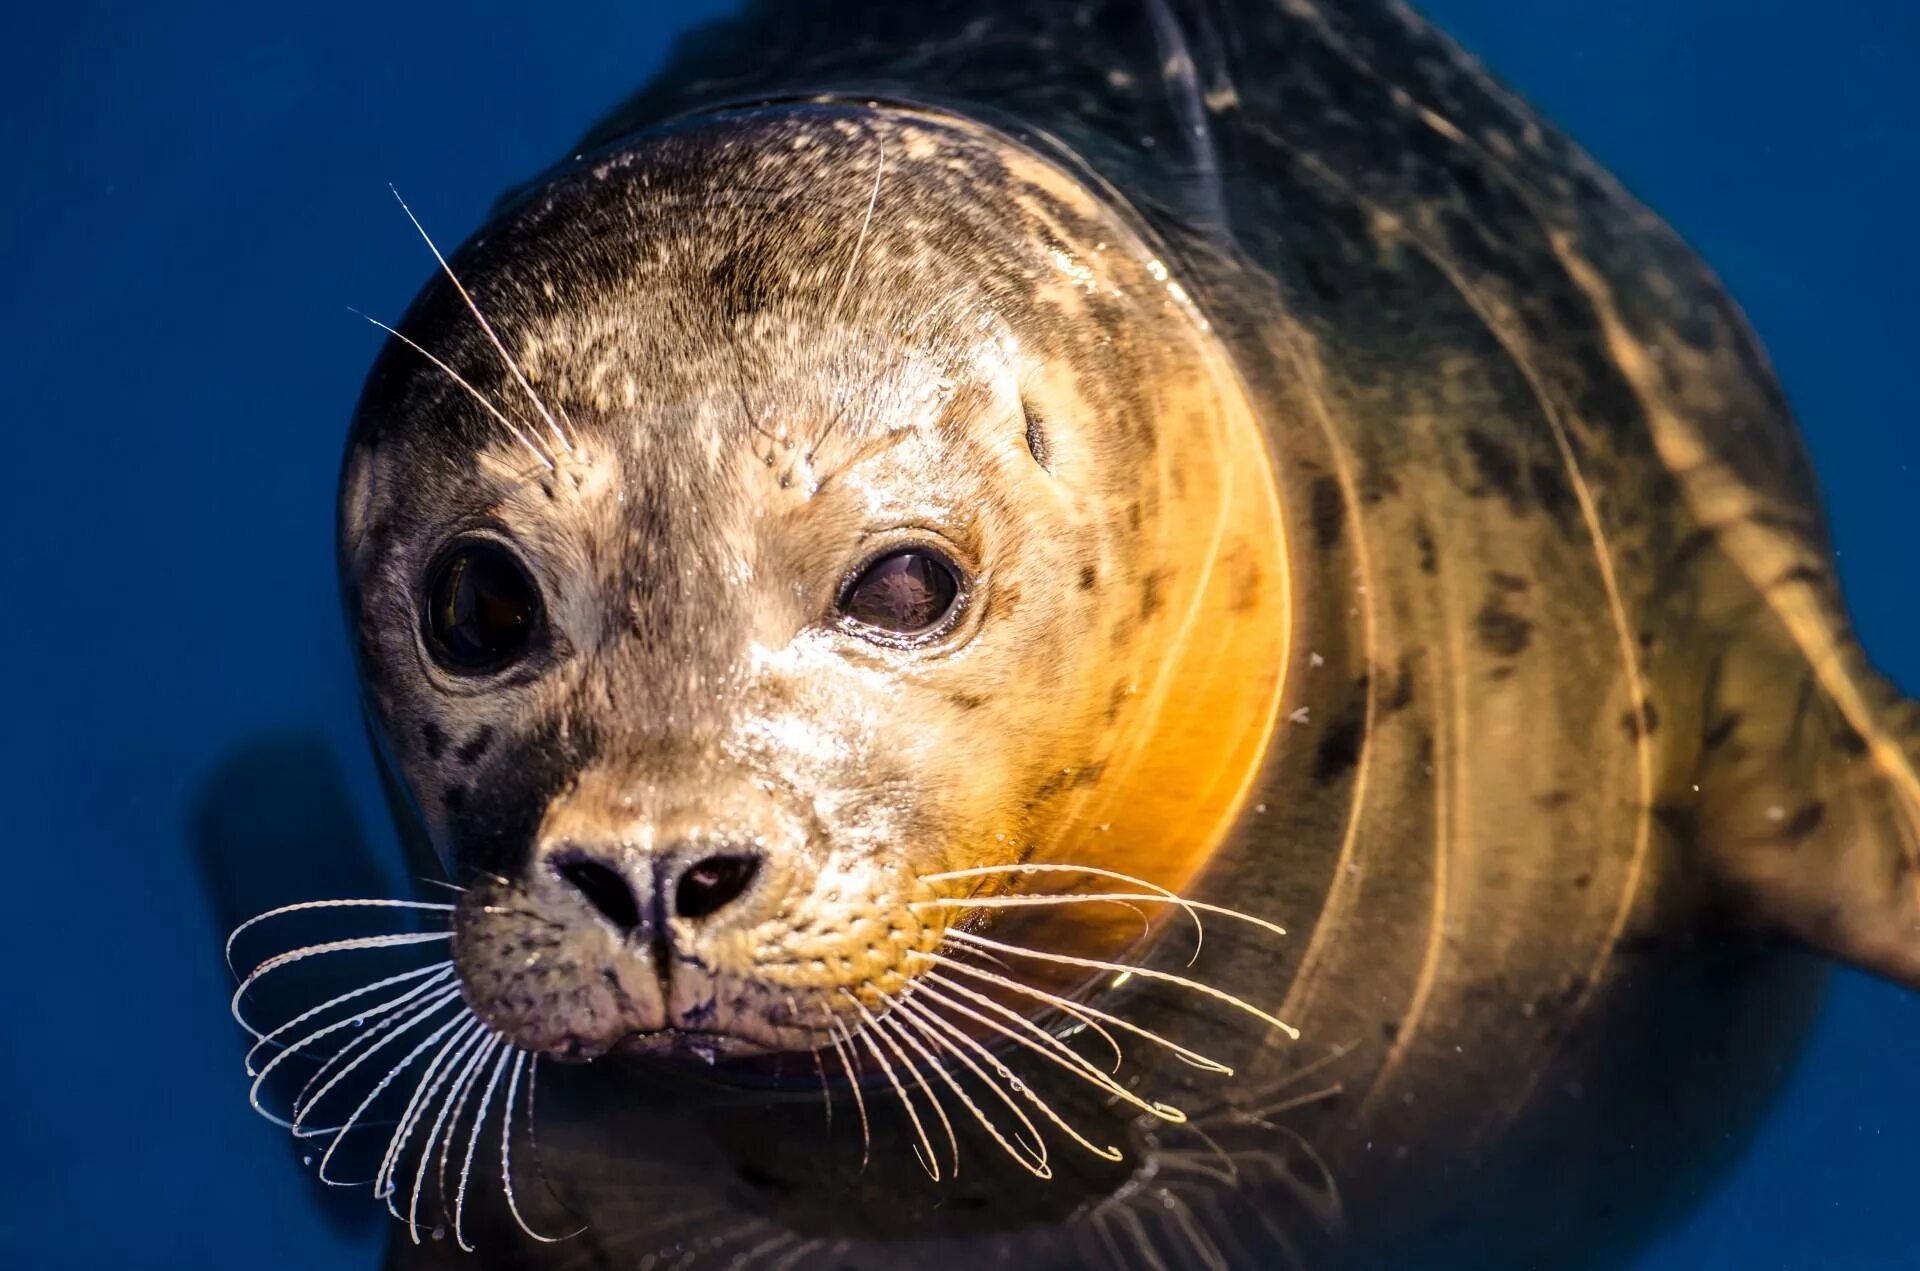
(1641, 723)
(1377, 484)
(1317, 278)
(1550, 490)
(1507, 582)
(1088, 577)
(1553, 800)
(1088, 775)
(967, 701)
(453, 798)
(1390, 1030)
(1151, 599)
(1803, 822)
(760, 1180)
(1115, 700)
(1340, 746)
(1722, 731)
(1499, 471)
(1074, 778)
(1134, 515)
(1037, 444)
(1401, 694)
(1694, 544)
(475, 746)
(1811, 575)
(1582, 881)
(433, 740)
(1850, 741)
(1243, 580)
(744, 280)
(1329, 512)
(1502, 632)
(1429, 555)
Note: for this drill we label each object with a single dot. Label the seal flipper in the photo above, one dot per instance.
(1809, 796)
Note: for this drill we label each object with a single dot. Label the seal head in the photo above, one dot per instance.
(773, 531)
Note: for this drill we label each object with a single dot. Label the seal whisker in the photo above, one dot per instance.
(864, 1033)
(1022, 1088)
(1194, 908)
(308, 905)
(272, 1038)
(913, 1013)
(747, 413)
(513, 367)
(1263, 1117)
(1333, 1055)
(890, 1029)
(315, 950)
(260, 1077)
(1020, 902)
(479, 1119)
(1191, 1057)
(866, 223)
(454, 1079)
(819, 1067)
(1048, 1047)
(339, 1136)
(1087, 1017)
(364, 1042)
(849, 1064)
(469, 1077)
(382, 1031)
(514, 429)
(305, 1104)
(1146, 973)
(432, 1081)
(520, 1068)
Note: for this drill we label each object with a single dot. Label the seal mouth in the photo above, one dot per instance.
(695, 1045)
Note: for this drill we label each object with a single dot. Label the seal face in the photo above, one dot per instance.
(793, 542)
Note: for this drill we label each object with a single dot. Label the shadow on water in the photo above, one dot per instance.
(275, 825)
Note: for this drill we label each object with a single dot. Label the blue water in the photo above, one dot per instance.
(194, 194)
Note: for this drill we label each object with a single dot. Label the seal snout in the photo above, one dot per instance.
(650, 907)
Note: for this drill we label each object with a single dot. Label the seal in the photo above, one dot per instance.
(1179, 612)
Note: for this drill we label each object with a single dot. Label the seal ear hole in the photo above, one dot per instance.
(1037, 444)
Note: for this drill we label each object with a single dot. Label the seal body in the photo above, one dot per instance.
(1367, 518)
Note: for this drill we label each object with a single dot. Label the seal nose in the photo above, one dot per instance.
(604, 887)
(711, 883)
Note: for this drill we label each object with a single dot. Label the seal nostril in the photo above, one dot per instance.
(604, 889)
(711, 884)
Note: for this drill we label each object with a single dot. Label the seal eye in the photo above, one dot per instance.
(904, 593)
(481, 608)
